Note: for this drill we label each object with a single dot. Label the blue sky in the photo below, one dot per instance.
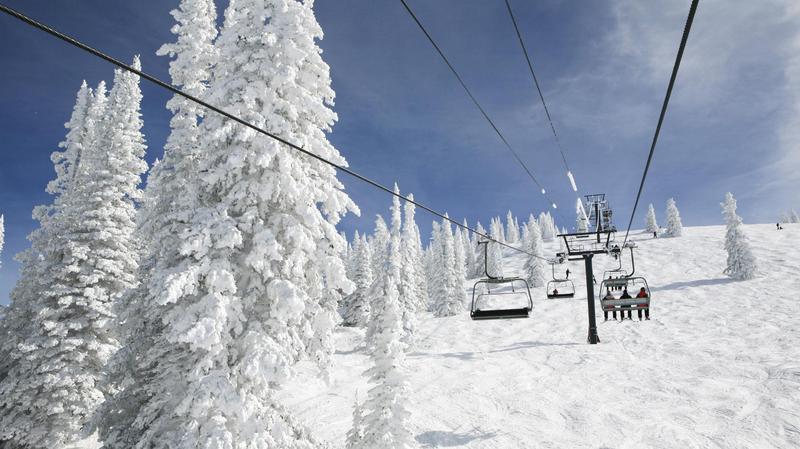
(734, 121)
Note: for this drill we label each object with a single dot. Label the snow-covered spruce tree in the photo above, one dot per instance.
(379, 243)
(390, 272)
(480, 254)
(495, 254)
(652, 224)
(582, 221)
(469, 252)
(534, 266)
(431, 261)
(169, 202)
(741, 262)
(89, 260)
(547, 227)
(385, 414)
(265, 254)
(356, 305)
(355, 436)
(350, 260)
(406, 284)
(412, 275)
(446, 300)
(674, 225)
(460, 265)
(512, 228)
(18, 323)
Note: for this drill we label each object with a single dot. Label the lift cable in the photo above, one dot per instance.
(684, 38)
(74, 42)
(570, 175)
(478, 105)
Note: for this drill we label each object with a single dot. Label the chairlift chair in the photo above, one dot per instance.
(631, 284)
(559, 288)
(498, 288)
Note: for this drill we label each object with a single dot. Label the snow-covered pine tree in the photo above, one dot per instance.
(652, 224)
(469, 252)
(495, 253)
(385, 414)
(88, 259)
(674, 225)
(356, 305)
(170, 200)
(355, 436)
(26, 302)
(413, 273)
(512, 228)
(380, 245)
(582, 221)
(446, 300)
(431, 261)
(741, 262)
(547, 227)
(460, 265)
(534, 266)
(406, 284)
(266, 253)
(501, 235)
(480, 253)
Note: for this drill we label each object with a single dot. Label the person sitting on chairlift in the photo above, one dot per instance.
(609, 296)
(643, 294)
(625, 295)
(555, 292)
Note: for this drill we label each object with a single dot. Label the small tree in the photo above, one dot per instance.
(674, 225)
(534, 267)
(356, 305)
(495, 254)
(652, 224)
(512, 229)
(382, 421)
(446, 300)
(741, 262)
(469, 252)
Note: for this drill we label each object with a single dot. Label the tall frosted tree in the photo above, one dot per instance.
(741, 262)
(494, 257)
(266, 268)
(469, 252)
(582, 221)
(412, 276)
(512, 228)
(357, 304)
(382, 421)
(652, 224)
(460, 260)
(534, 266)
(448, 299)
(480, 253)
(87, 258)
(547, 226)
(170, 200)
(674, 225)
(431, 261)
(380, 245)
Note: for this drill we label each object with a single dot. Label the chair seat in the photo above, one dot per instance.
(500, 314)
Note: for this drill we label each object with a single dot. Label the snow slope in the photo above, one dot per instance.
(718, 366)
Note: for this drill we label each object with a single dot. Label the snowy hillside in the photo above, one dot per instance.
(718, 366)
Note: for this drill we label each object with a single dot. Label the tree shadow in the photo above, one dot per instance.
(443, 438)
(469, 355)
(695, 283)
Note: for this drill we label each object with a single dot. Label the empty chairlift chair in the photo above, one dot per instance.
(493, 296)
(559, 288)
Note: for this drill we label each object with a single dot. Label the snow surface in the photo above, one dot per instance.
(718, 366)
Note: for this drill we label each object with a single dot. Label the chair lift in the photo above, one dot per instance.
(636, 286)
(504, 287)
(559, 288)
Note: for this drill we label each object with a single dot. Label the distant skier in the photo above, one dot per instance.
(778, 225)
(655, 234)
(643, 294)
(568, 273)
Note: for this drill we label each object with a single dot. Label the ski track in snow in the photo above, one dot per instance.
(717, 366)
